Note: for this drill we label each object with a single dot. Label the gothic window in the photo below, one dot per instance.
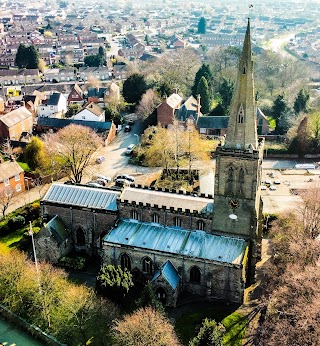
(125, 261)
(240, 115)
(241, 181)
(147, 266)
(177, 222)
(200, 225)
(155, 218)
(134, 214)
(81, 238)
(195, 275)
(230, 181)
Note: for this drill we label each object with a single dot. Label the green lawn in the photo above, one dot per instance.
(13, 238)
(187, 324)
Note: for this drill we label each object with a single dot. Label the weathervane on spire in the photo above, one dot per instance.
(250, 7)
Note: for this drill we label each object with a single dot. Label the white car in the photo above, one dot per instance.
(93, 184)
(263, 187)
(268, 182)
(125, 177)
(277, 182)
(122, 182)
(101, 177)
(272, 188)
(129, 150)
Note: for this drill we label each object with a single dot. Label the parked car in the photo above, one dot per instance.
(100, 159)
(122, 182)
(129, 150)
(272, 188)
(101, 177)
(263, 187)
(127, 128)
(93, 184)
(268, 182)
(277, 182)
(126, 177)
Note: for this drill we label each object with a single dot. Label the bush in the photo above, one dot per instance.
(16, 222)
(76, 263)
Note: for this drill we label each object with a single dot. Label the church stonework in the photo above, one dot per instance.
(182, 243)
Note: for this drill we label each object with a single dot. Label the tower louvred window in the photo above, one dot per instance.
(240, 115)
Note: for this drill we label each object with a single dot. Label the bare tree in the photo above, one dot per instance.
(71, 149)
(6, 195)
(144, 327)
(149, 101)
(8, 151)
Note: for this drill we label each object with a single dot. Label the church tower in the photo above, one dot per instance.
(237, 203)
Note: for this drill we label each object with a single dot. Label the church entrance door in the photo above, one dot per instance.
(161, 295)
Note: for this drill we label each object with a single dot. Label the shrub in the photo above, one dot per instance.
(16, 222)
(76, 263)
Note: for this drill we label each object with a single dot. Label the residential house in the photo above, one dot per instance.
(167, 109)
(99, 73)
(189, 110)
(96, 95)
(91, 112)
(176, 42)
(76, 95)
(52, 75)
(55, 107)
(31, 102)
(11, 177)
(120, 72)
(19, 77)
(212, 125)
(14, 123)
(7, 60)
(67, 74)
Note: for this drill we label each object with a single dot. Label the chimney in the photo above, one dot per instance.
(198, 105)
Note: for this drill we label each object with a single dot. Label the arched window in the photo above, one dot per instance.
(134, 215)
(155, 218)
(240, 115)
(195, 275)
(244, 70)
(177, 222)
(241, 181)
(125, 261)
(200, 225)
(81, 237)
(230, 181)
(147, 265)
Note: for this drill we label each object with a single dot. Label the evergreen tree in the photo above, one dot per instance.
(203, 91)
(202, 26)
(279, 108)
(34, 153)
(226, 91)
(210, 334)
(204, 71)
(101, 51)
(27, 57)
(134, 87)
(301, 101)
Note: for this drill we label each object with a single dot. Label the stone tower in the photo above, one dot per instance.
(237, 204)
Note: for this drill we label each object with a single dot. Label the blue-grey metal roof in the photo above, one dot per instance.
(57, 228)
(170, 274)
(61, 123)
(96, 92)
(82, 196)
(198, 244)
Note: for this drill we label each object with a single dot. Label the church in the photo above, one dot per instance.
(203, 245)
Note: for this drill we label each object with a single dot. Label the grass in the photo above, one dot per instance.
(187, 324)
(235, 325)
(12, 238)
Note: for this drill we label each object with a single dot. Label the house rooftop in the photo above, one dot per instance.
(196, 244)
(9, 169)
(15, 116)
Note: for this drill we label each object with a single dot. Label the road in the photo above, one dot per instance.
(277, 44)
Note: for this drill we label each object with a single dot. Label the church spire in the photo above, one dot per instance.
(242, 128)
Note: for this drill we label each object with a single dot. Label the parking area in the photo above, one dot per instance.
(286, 196)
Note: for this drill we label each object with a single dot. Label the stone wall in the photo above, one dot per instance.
(189, 220)
(94, 223)
(218, 280)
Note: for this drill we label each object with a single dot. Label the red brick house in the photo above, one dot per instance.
(14, 123)
(11, 177)
(76, 95)
(167, 109)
